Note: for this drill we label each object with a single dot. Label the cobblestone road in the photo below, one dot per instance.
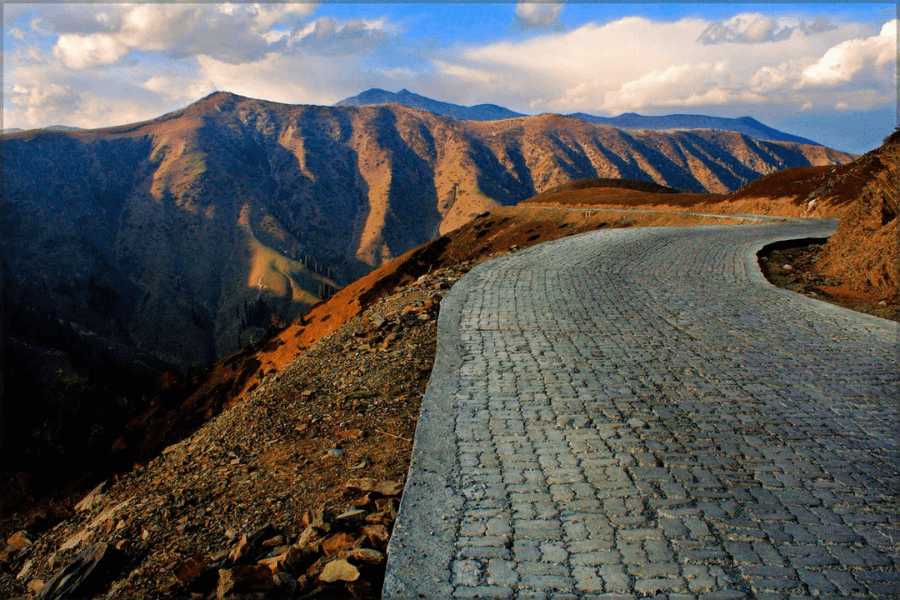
(637, 413)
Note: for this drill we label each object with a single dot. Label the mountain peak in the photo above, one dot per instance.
(481, 112)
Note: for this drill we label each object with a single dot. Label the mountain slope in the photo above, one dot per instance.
(864, 253)
(197, 225)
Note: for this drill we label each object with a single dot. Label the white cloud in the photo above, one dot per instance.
(42, 106)
(847, 60)
(138, 61)
(471, 74)
(187, 51)
(639, 64)
(532, 15)
(291, 79)
(752, 28)
(756, 28)
(653, 86)
(86, 51)
(329, 37)
(179, 89)
(230, 32)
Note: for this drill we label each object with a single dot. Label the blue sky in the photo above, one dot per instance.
(827, 71)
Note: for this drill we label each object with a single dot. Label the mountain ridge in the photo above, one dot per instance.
(487, 112)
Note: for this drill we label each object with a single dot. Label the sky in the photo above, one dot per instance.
(826, 71)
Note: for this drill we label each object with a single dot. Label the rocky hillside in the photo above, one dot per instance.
(181, 235)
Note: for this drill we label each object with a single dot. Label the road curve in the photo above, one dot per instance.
(637, 412)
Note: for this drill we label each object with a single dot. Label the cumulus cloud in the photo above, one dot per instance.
(640, 64)
(230, 32)
(745, 29)
(138, 61)
(755, 28)
(48, 94)
(533, 15)
(847, 60)
(40, 105)
(86, 51)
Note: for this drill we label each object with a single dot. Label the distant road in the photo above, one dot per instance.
(740, 217)
(637, 412)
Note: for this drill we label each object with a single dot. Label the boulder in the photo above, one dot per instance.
(338, 570)
(84, 574)
(244, 579)
(92, 499)
(338, 542)
(19, 540)
(191, 569)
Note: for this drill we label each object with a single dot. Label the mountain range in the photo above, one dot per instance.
(179, 236)
(49, 128)
(492, 112)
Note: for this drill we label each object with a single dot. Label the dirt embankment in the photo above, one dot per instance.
(865, 250)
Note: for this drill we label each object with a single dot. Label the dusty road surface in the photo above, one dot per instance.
(637, 412)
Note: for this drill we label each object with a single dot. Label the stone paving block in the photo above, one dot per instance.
(632, 535)
(554, 552)
(466, 572)
(654, 569)
(546, 582)
(587, 580)
(614, 578)
(502, 573)
(816, 582)
(659, 585)
(483, 552)
(723, 595)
